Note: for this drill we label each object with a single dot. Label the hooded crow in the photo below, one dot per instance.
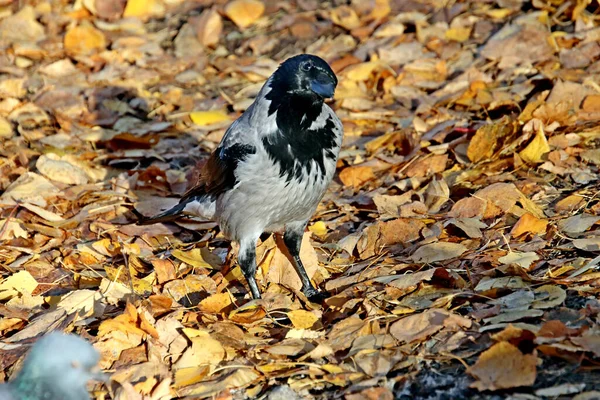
(272, 167)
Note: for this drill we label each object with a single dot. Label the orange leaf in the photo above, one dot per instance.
(356, 176)
(503, 366)
(244, 13)
(529, 224)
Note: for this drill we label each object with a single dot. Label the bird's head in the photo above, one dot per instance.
(62, 363)
(306, 73)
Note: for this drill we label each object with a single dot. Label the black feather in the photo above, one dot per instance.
(216, 176)
(294, 146)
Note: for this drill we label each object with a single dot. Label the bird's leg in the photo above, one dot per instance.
(293, 240)
(247, 261)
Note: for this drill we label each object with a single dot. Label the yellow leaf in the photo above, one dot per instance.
(143, 8)
(332, 368)
(194, 257)
(235, 274)
(248, 313)
(215, 303)
(459, 34)
(244, 13)
(204, 118)
(204, 351)
(536, 149)
(381, 10)
(361, 72)
(189, 376)
(21, 282)
(84, 40)
(499, 13)
(356, 176)
(318, 228)
(302, 319)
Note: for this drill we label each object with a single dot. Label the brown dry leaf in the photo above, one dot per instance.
(427, 166)
(356, 176)
(22, 26)
(215, 303)
(488, 138)
(84, 40)
(503, 366)
(204, 351)
(376, 237)
(590, 342)
(244, 12)
(529, 224)
(437, 193)
(440, 251)
(248, 313)
(277, 267)
(524, 260)
(209, 27)
(549, 296)
(345, 17)
(421, 326)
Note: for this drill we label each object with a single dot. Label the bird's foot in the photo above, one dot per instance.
(313, 295)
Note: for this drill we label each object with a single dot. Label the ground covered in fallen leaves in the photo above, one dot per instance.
(459, 242)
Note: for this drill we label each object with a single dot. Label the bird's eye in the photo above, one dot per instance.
(306, 66)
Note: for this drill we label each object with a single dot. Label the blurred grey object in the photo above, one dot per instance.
(58, 367)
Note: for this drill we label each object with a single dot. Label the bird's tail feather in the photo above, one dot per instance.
(165, 216)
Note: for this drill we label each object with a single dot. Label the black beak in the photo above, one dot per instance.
(323, 89)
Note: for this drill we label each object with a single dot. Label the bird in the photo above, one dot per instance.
(58, 367)
(272, 167)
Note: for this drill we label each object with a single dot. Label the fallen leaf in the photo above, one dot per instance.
(58, 169)
(529, 224)
(421, 326)
(578, 223)
(215, 303)
(84, 40)
(204, 351)
(18, 283)
(302, 319)
(197, 257)
(356, 176)
(440, 251)
(536, 149)
(208, 28)
(204, 118)
(548, 296)
(524, 260)
(345, 17)
(503, 366)
(143, 8)
(244, 13)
